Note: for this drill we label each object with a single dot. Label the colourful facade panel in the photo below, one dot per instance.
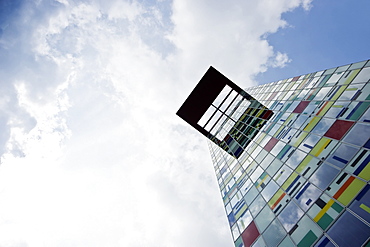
(303, 180)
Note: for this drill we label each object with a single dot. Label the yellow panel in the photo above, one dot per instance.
(279, 130)
(289, 181)
(275, 197)
(321, 145)
(303, 164)
(312, 124)
(323, 211)
(346, 197)
(350, 78)
(300, 139)
(325, 108)
(364, 207)
(365, 173)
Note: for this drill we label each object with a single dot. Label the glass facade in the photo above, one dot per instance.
(302, 178)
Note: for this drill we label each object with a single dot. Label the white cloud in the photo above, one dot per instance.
(90, 101)
(280, 60)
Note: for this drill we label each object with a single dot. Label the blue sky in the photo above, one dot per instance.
(330, 34)
(91, 150)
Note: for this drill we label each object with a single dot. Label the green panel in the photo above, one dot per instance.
(337, 207)
(283, 151)
(309, 239)
(239, 242)
(361, 109)
(325, 221)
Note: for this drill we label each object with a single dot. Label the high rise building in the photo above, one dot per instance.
(292, 158)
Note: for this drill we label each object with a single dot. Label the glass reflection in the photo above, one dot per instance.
(324, 175)
(290, 216)
(322, 126)
(307, 196)
(264, 218)
(256, 206)
(342, 155)
(274, 233)
(269, 190)
(356, 135)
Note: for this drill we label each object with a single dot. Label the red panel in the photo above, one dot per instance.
(267, 114)
(271, 143)
(250, 234)
(338, 129)
(301, 106)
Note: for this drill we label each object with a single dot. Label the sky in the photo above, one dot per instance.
(91, 151)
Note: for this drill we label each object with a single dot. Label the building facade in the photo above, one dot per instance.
(292, 158)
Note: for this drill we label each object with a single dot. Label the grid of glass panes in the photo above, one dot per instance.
(304, 179)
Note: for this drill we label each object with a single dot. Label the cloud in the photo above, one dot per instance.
(88, 101)
(280, 60)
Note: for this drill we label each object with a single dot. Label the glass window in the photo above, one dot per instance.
(361, 204)
(267, 161)
(222, 95)
(290, 216)
(322, 126)
(308, 166)
(274, 233)
(264, 218)
(338, 109)
(235, 231)
(348, 77)
(300, 120)
(277, 148)
(358, 135)
(307, 196)
(256, 152)
(364, 94)
(349, 231)
(283, 174)
(257, 205)
(269, 190)
(342, 68)
(324, 175)
(287, 242)
(207, 115)
(252, 193)
(324, 242)
(295, 158)
(322, 93)
(360, 165)
(244, 220)
(256, 174)
(228, 100)
(363, 76)
(213, 120)
(334, 78)
(261, 156)
(259, 243)
(357, 65)
(366, 116)
(293, 105)
(351, 92)
(306, 233)
(275, 165)
(309, 143)
(342, 155)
